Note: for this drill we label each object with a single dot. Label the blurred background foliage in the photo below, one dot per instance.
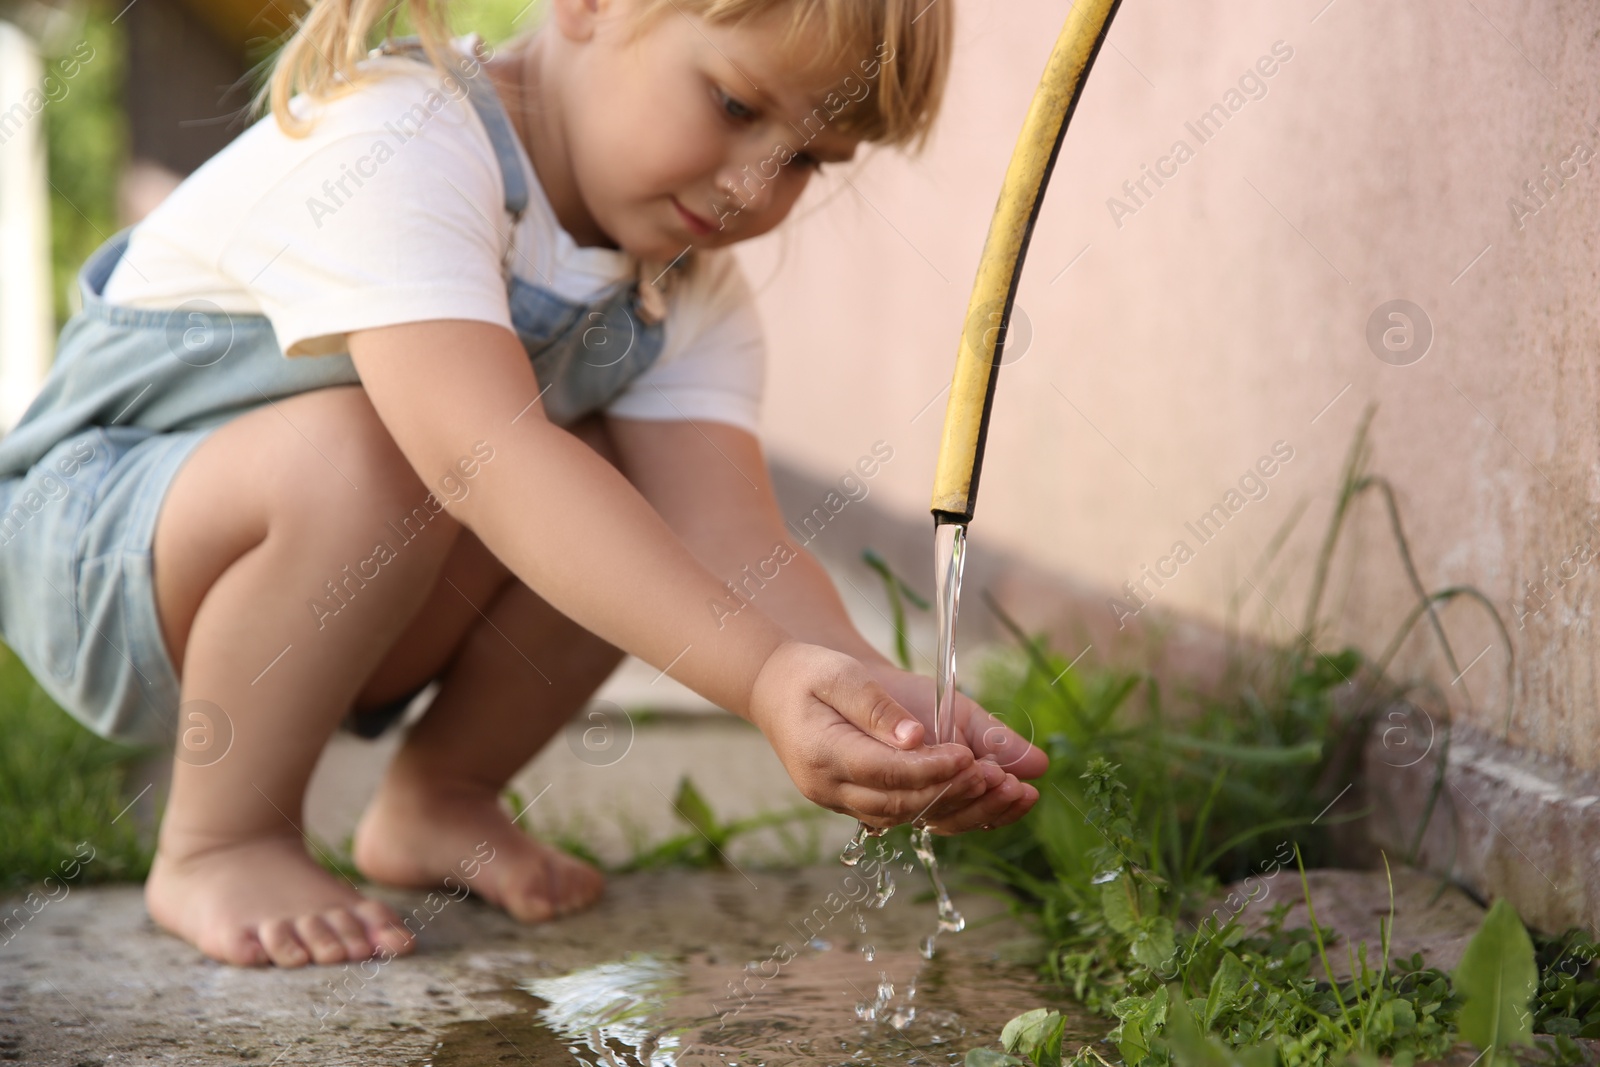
(87, 139)
(85, 143)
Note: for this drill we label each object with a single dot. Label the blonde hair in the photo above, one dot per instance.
(320, 60)
(912, 39)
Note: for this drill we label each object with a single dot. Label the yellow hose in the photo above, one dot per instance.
(966, 416)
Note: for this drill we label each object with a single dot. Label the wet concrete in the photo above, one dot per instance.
(740, 966)
(672, 969)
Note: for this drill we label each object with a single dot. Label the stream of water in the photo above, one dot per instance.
(949, 553)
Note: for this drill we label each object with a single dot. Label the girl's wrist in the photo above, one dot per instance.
(756, 707)
(842, 636)
(750, 657)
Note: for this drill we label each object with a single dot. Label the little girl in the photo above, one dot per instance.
(442, 371)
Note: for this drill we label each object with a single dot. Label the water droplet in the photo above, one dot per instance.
(856, 850)
(926, 947)
(950, 920)
(1106, 876)
(819, 944)
(874, 1011)
(869, 952)
(884, 888)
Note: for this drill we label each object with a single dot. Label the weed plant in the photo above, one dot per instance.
(705, 842)
(1150, 805)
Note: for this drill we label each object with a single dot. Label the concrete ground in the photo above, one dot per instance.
(89, 979)
(745, 965)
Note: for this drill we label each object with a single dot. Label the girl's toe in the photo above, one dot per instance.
(383, 928)
(357, 946)
(283, 947)
(241, 948)
(319, 939)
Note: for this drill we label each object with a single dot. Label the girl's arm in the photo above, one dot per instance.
(709, 481)
(571, 527)
(555, 513)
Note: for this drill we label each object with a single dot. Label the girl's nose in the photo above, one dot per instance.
(748, 184)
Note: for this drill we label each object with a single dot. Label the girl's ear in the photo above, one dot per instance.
(576, 19)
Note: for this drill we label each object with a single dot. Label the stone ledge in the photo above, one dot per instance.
(1506, 823)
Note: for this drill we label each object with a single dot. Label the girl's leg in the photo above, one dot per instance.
(516, 680)
(518, 675)
(268, 511)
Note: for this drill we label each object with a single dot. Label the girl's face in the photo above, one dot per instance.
(691, 134)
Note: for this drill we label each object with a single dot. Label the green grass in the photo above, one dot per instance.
(61, 787)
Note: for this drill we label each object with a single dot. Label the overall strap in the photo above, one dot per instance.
(493, 115)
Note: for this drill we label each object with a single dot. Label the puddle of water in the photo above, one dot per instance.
(816, 1009)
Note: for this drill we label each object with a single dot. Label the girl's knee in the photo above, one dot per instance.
(349, 489)
(349, 466)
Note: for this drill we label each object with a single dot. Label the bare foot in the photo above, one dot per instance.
(423, 836)
(265, 901)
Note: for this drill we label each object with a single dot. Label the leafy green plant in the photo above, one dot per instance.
(1191, 1048)
(1034, 1037)
(1568, 1001)
(1498, 977)
(898, 592)
(706, 842)
(1131, 955)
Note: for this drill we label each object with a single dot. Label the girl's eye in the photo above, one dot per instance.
(734, 109)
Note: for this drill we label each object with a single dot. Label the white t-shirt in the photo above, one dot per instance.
(392, 210)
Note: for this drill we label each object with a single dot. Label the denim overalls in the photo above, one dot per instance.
(134, 391)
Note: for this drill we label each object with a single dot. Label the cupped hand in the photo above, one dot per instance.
(1008, 756)
(852, 748)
